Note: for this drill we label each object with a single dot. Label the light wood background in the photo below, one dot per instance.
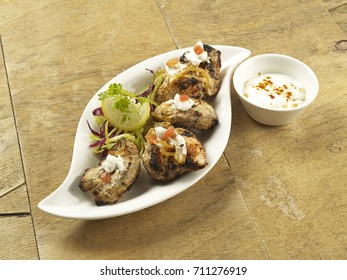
(277, 192)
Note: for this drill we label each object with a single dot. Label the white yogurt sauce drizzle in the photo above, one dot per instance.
(113, 162)
(181, 105)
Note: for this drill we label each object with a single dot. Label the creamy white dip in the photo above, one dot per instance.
(180, 105)
(113, 162)
(274, 91)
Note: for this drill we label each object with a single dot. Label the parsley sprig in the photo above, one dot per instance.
(129, 104)
(124, 101)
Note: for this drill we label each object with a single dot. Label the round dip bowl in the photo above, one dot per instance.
(275, 64)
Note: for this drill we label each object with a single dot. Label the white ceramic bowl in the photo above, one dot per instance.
(280, 64)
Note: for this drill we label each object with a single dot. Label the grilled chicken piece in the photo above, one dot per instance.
(196, 84)
(213, 68)
(200, 116)
(108, 187)
(163, 166)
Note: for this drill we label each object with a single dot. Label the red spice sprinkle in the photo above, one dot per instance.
(105, 177)
(198, 49)
(184, 98)
(289, 95)
(266, 84)
(262, 86)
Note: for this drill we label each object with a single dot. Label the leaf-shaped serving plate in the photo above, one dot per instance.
(70, 202)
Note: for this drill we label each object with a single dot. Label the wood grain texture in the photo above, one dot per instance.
(69, 53)
(61, 69)
(292, 177)
(338, 10)
(188, 226)
(11, 169)
(277, 192)
(15, 201)
(17, 238)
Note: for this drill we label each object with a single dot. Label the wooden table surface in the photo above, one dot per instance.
(276, 193)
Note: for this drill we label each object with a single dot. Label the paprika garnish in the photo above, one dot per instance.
(169, 133)
(105, 177)
(151, 137)
(198, 49)
(184, 97)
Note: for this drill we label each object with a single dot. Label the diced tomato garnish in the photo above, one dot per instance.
(184, 97)
(169, 133)
(198, 49)
(151, 137)
(172, 62)
(105, 177)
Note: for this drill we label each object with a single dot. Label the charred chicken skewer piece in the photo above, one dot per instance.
(194, 77)
(196, 114)
(172, 152)
(114, 175)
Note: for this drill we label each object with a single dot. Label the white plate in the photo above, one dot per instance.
(70, 202)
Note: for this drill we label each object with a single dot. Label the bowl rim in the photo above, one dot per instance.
(279, 56)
